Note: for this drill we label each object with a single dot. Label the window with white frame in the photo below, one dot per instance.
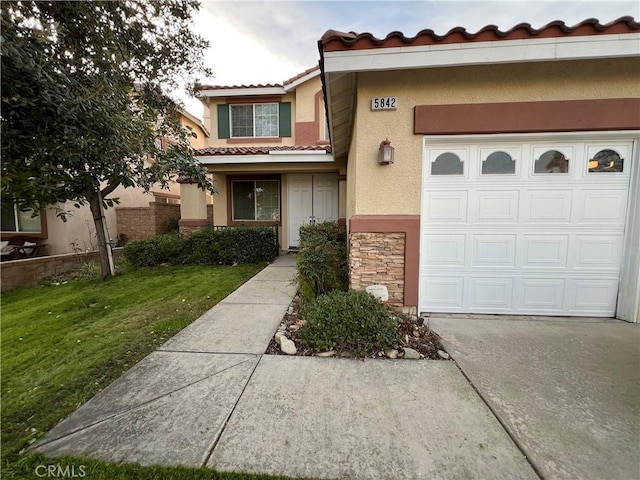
(255, 120)
(16, 220)
(255, 200)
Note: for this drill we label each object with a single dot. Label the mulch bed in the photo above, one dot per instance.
(414, 334)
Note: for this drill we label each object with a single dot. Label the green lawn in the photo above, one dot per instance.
(63, 344)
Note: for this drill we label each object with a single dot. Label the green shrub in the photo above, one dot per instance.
(330, 231)
(153, 251)
(322, 260)
(208, 246)
(348, 320)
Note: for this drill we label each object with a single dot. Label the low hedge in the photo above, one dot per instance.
(322, 260)
(208, 246)
(352, 320)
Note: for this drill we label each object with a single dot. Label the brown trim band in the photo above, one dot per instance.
(410, 226)
(257, 99)
(528, 117)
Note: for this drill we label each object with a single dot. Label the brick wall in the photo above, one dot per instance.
(144, 222)
(162, 214)
(378, 258)
(30, 271)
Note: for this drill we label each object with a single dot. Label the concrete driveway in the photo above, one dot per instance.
(567, 391)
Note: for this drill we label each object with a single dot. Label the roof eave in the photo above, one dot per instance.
(484, 53)
(240, 92)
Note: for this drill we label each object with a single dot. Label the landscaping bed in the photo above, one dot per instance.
(414, 335)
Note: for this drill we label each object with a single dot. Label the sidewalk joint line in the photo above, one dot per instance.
(147, 402)
(504, 426)
(217, 438)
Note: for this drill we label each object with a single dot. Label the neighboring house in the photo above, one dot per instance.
(270, 158)
(140, 213)
(515, 185)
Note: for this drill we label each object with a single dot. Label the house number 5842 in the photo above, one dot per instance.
(384, 103)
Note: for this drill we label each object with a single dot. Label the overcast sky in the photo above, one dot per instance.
(270, 41)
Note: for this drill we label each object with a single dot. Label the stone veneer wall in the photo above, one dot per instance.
(378, 258)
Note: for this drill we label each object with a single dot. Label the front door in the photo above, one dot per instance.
(312, 199)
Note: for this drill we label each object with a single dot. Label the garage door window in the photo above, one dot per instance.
(606, 161)
(498, 163)
(552, 161)
(447, 164)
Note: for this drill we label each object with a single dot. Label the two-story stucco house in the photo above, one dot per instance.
(270, 158)
(491, 172)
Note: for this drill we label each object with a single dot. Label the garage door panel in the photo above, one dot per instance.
(544, 295)
(589, 296)
(546, 206)
(544, 251)
(598, 251)
(444, 250)
(446, 207)
(601, 206)
(494, 250)
(494, 294)
(443, 293)
(489, 206)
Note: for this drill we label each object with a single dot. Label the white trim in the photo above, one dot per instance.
(239, 92)
(524, 137)
(301, 80)
(629, 292)
(295, 152)
(278, 157)
(478, 53)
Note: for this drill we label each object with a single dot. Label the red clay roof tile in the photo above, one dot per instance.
(227, 87)
(300, 75)
(333, 40)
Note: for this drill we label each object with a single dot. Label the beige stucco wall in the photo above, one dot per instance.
(200, 140)
(193, 202)
(395, 189)
(78, 232)
(305, 100)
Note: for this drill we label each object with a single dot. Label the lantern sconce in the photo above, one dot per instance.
(385, 153)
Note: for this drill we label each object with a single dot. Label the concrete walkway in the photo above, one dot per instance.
(568, 390)
(210, 397)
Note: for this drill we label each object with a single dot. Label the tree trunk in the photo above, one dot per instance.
(95, 204)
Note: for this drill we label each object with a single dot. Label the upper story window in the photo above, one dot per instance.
(18, 221)
(256, 120)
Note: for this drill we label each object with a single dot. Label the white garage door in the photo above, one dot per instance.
(533, 226)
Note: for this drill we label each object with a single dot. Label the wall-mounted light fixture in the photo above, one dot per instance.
(385, 153)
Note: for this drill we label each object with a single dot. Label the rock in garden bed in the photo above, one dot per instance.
(416, 339)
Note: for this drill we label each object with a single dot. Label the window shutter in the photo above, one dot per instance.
(223, 121)
(285, 119)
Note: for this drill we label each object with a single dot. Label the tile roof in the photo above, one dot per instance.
(227, 87)
(333, 40)
(300, 75)
(259, 150)
(265, 85)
